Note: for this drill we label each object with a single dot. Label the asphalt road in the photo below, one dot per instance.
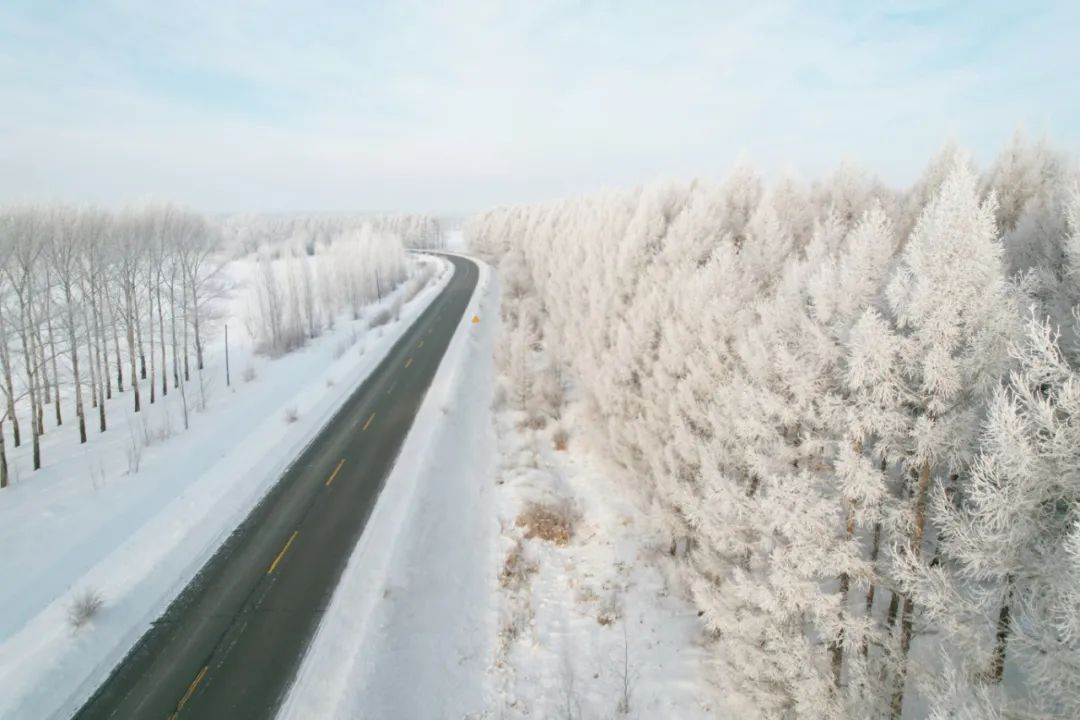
(229, 645)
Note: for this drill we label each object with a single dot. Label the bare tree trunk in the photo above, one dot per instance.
(103, 379)
(138, 333)
(99, 358)
(172, 322)
(3, 459)
(837, 647)
(150, 317)
(42, 368)
(184, 326)
(906, 618)
(100, 347)
(198, 337)
(90, 365)
(79, 412)
(875, 548)
(161, 328)
(98, 398)
(31, 375)
(1001, 640)
(139, 345)
(35, 360)
(5, 358)
(52, 351)
(183, 403)
(119, 362)
(131, 320)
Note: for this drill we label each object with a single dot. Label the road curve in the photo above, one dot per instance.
(230, 644)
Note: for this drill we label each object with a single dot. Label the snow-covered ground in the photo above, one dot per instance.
(136, 511)
(409, 632)
(593, 619)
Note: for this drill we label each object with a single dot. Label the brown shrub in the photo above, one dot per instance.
(516, 568)
(560, 438)
(554, 524)
(609, 612)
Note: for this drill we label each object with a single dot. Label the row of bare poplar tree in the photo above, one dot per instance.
(94, 303)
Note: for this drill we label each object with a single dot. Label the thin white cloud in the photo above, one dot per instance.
(417, 105)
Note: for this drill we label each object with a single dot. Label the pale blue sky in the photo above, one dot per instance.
(457, 106)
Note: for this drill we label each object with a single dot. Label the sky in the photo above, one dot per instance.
(454, 107)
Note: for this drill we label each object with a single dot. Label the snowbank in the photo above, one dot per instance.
(409, 630)
(137, 538)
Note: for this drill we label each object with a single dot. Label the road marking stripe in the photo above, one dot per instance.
(191, 690)
(368, 422)
(408, 362)
(334, 474)
(421, 344)
(392, 386)
(282, 553)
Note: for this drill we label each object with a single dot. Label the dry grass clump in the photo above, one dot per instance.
(560, 438)
(84, 608)
(552, 523)
(610, 611)
(516, 568)
(535, 420)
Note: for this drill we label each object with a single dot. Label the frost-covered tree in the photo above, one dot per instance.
(1009, 586)
(793, 383)
(75, 281)
(64, 249)
(954, 317)
(302, 281)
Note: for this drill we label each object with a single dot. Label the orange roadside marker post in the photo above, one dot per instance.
(475, 319)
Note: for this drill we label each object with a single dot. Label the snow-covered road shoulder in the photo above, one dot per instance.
(409, 629)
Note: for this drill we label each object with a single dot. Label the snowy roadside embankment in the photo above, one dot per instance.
(136, 539)
(409, 630)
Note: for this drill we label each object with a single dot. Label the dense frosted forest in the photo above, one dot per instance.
(97, 305)
(853, 410)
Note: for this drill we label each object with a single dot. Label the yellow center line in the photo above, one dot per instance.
(408, 362)
(281, 554)
(334, 474)
(191, 690)
(421, 344)
(368, 422)
(392, 386)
